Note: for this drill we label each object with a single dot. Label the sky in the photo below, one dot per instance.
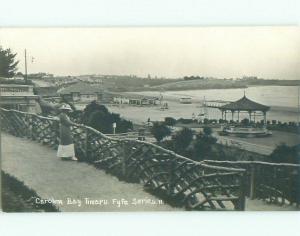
(222, 52)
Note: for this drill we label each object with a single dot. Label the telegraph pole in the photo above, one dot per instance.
(25, 67)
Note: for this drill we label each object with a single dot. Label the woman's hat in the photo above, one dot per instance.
(65, 107)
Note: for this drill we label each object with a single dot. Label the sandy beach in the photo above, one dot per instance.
(282, 100)
(140, 114)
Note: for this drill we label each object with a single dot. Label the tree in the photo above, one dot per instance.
(98, 117)
(8, 64)
(207, 131)
(285, 154)
(100, 121)
(160, 131)
(182, 140)
(202, 148)
(170, 121)
(90, 108)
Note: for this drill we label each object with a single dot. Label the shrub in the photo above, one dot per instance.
(160, 131)
(98, 117)
(245, 122)
(170, 121)
(207, 131)
(182, 140)
(285, 154)
(202, 147)
(185, 121)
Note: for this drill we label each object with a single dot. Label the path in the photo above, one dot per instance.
(37, 166)
(263, 145)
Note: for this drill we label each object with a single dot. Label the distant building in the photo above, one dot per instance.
(84, 93)
(185, 100)
(136, 100)
(47, 92)
(19, 97)
(121, 100)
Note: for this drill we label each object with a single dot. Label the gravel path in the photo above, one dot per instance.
(86, 188)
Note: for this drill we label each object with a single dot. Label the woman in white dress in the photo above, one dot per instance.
(66, 149)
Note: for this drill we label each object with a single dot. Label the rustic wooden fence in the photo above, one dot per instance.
(274, 182)
(179, 180)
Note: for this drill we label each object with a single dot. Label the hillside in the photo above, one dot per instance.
(213, 83)
(200, 84)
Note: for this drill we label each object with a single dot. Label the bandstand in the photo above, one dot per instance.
(245, 105)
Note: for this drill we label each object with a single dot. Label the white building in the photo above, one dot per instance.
(19, 97)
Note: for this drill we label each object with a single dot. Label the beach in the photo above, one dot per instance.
(283, 102)
(281, 99)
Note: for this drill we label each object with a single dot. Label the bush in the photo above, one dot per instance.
(285, 154)
(207, 131)
(182, 140)
(185, 121)
(245, 122)
(98, 117)
(202, 148)
(170, 121)
(160, 131)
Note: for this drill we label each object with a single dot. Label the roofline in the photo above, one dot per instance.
(230, 109)
(15, 85)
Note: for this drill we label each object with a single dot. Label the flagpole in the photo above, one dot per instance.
(25, 67)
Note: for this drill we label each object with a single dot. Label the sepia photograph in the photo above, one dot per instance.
(139, 119)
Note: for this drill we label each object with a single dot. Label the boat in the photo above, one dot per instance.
(185, 100)
(245, 131)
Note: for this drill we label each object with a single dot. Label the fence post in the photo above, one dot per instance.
(56, 127)
(124, 156)
(242, 199)
(252, 181)
(171, 176)
(86, 142)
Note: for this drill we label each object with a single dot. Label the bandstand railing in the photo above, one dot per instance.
(176, 179)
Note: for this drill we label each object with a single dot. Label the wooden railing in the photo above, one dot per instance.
(176, 179)
(274, 182)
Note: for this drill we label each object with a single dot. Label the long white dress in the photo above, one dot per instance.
(66, 144)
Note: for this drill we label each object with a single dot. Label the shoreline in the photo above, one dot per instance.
(149, 89)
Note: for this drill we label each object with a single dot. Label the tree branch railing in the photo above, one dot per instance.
(176, 179)
(274, 182)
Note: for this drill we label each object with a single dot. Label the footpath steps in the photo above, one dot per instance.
(72, 186)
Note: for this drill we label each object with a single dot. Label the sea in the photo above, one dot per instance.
(283, 100)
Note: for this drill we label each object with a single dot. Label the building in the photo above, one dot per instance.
(245, 105)
(121, 100)
(185, 100)
(47, 92)
(85, 93)
(19, 97)
(136, 100)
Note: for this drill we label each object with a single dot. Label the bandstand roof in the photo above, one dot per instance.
(245, 104)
